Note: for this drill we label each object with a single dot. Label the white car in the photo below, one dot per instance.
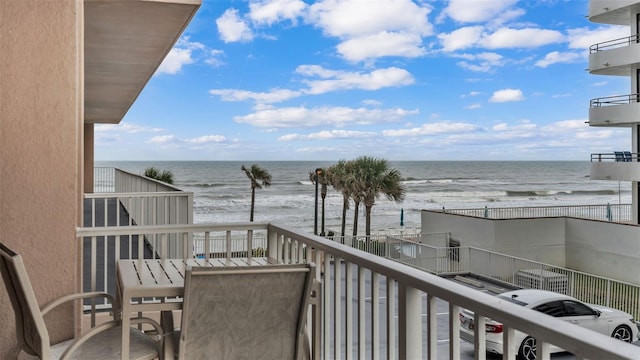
(602, 319)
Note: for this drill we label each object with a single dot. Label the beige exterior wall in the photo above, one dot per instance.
(41, 151)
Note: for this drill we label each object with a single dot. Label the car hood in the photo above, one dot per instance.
(607, 312)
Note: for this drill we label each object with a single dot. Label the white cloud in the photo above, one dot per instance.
(341, 80)
(390, 28)
(483, 62)
(271, 11)
(433, 129)
(273, 96)
(566, 126)
(521, 38)
(182, 54)
(473, 106)
(207, 139)
(328, 135)
(471, 94)
(232, 28)
(480, 11)
(161, 139)
(380, 45)
(372, 102)
(461, 38)
(213, 58)
(322, 116)
(524, 129)
(506, 95)
(583, 38)
(355, 18)
(330, 80)
(174, 61)
(555, 57)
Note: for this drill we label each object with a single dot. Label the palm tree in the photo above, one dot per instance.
(164, 176)
(376, 178)
(259, 177)
(323, 181)
(340, 177)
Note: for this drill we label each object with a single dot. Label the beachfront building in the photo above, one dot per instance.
(66, 65)
(618, 57)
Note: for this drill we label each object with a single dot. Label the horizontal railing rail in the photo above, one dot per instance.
(372, 306)
(109, 179)
(616, 43)
(607, 212)
(616, 156)
(614, 100)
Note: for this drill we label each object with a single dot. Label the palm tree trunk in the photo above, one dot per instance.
(367, 210)
(345, 205)
(322, 231)
(253, 201)
(355, 219)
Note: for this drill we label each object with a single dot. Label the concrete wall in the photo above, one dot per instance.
(40, 156)
(534, 239)
(596, 247)
(607, 249)
(540, 239)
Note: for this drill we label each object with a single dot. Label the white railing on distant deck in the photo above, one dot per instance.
(372, 307)
(108, 179)
(124, 199)
(609, 212)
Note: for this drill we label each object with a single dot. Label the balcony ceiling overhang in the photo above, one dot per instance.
(125, 41)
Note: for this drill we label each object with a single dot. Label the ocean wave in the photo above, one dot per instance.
(560, 192)
(207, 185)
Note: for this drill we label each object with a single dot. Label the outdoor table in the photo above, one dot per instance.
(158, 285)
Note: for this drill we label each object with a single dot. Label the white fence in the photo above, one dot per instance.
(609, 212)
(372, 307)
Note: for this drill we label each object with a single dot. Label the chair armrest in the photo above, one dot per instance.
(67, 298)
(109, 325)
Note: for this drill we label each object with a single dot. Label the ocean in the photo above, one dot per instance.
(222, 192)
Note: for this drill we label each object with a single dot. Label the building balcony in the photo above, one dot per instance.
(615, 57)
(617, 12)
(615, 111)
(371, 305)
(620, 166)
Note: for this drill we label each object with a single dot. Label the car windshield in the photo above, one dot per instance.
(513, 300)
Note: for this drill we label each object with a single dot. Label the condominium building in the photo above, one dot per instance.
(618, 57)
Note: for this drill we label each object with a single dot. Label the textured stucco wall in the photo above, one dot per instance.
(40, 142)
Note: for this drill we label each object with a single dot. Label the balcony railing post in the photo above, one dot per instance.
(272, 245)
(410, 322)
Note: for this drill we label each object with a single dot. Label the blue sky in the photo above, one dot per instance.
(395, 79)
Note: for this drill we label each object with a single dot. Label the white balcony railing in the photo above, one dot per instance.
(609, 212)
(359, 319)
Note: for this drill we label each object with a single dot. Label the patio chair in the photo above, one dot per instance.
(100, 342)
(253, 312)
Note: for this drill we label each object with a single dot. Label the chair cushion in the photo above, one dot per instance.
(108, 345)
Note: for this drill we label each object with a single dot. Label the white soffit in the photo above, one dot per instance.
(125, 42)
